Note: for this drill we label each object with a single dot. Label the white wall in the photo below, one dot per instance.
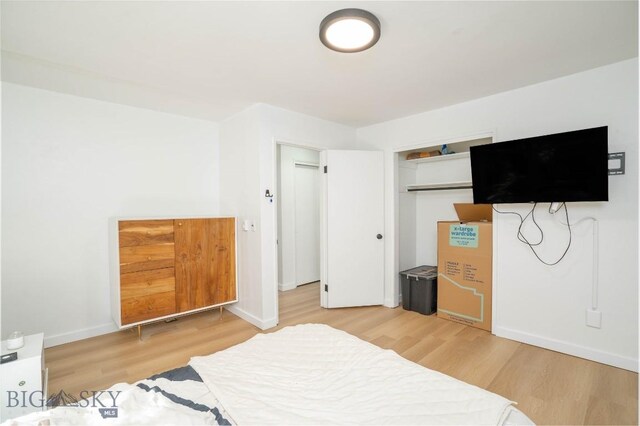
(543, 305)
(69, 164)
(289, 155)
(240, 196)
(245, 174)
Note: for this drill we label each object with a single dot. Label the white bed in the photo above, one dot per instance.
(305, 374)
(314, 374)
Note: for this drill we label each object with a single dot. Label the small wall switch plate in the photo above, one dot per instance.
(246, 225)
(594, 318)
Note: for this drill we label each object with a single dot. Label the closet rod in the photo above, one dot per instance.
(306, 164)
(439, 186)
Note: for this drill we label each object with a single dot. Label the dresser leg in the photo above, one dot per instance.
(139, 332)
(221, 310)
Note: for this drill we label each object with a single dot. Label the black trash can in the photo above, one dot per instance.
(420, 289)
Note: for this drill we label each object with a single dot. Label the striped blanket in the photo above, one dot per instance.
(175, 397)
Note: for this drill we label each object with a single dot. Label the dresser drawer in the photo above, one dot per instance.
(135, 309)
(145, 232)
(144, 258)
(143, 283)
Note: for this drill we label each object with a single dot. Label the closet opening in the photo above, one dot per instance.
(431, 177)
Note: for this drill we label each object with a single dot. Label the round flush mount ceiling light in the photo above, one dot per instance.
(350, 30)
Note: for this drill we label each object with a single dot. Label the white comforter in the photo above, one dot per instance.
(314, 374)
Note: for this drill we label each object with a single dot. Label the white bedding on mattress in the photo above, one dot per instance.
(314, 374)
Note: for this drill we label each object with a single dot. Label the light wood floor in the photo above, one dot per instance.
(551, 388)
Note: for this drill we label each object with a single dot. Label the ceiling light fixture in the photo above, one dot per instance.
(350, 30)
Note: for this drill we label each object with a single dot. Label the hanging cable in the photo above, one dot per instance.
(532, 246)
(519, 234)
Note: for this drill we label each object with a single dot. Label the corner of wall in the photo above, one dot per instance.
(262, 324)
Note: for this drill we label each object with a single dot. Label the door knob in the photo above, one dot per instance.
(379, 236)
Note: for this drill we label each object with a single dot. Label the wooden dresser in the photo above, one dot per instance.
(162, 268)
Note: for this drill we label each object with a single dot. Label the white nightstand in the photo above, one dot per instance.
(23, 382)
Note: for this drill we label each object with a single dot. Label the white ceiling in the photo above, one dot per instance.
(213, 59)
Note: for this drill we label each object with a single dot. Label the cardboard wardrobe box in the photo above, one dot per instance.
(465, 252)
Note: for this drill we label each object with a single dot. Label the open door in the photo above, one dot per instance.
(352, 223)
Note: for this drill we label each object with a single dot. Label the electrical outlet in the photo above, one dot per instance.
(594, 318)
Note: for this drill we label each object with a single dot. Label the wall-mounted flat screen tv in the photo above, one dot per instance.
(570, 166)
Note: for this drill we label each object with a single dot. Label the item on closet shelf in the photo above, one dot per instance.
(445, 150)
(465, 252)
(15, 340)
(422, 154)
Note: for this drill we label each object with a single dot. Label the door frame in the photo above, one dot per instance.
(275, 141)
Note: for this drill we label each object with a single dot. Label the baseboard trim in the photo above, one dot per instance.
(85, 333)
(286, 286)
(261, 324)
(390, 303)
(569, 348)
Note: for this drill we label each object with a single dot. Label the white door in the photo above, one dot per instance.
(307, 223)
(352, 223)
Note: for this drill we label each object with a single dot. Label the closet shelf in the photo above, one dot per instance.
(439, 186)
(457, 155)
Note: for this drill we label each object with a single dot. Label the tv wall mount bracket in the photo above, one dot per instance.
(616, 163)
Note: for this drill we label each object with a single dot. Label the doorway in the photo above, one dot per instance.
(298, 216)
